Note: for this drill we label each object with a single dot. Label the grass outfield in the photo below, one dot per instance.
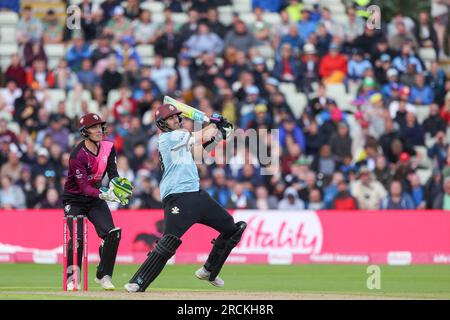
(38, 281)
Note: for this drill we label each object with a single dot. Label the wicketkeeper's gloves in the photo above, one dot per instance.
(120, 189)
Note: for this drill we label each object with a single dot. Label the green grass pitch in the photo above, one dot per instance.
(21, 281)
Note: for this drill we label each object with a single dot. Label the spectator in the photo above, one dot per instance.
(405, 58)
(289, 128)
(132, 9)
(190, 27)
(417, 191)
(101, 54)
(145, 31)
(333, 66)
(294, 10)
(39, 77)
(126, 105)
(214, 24)
(52, 200)
(368, 192)
(357, 66)
(239, 37)
(323, 40)
(108, 7)
(293, 39)
(204, 41)
(111, 79)
(119, 25)
(438, 152)
(397, 199)
(306, 26)
(53, 29)
(286, 67)
(65, 78)
(401, 37)
(202, 7)
(382, 171)
(260, 29)
(412, 132)
(341, 142)
(267, 5)
(29, 28)
(128, 52)
(264, 201)
(77, 53)
(168, 44)
(11, 196)
(16, 72)
(315, 200)
(324, 163)
(421, 93)
(123, 168)
(291, 200)
(343, 199)
(148, 197)
(401, 104)
(433, 187)
(309, 68)
(9, 94)
(164, 76)
(436, 79)
(425, 33)
(32, 51)
(240, 198)
(13, 167)
(434, 123)
(439, 12)
(86, 76)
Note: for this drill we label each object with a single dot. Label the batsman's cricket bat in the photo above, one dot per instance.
(187, 111)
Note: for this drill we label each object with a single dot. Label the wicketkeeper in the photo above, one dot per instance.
(184, 202)
(83, 195)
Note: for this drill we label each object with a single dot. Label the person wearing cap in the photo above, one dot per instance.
(357, 65)
(184, 202)
(368, 192)
(119, 25)
(53, 29)
(127, 52)
(390, 89)
(306, 26)
(83, 193)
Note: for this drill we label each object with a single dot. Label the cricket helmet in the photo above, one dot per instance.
(89, 120)
(164, 112)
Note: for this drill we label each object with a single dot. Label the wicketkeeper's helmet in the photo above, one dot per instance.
(89, 120)
(164, 112)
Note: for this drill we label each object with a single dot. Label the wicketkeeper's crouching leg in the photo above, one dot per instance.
(152, 267)
(221, 249)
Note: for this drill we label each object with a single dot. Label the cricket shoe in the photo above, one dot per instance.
(203, 274)
(131, 287)
(106, 283)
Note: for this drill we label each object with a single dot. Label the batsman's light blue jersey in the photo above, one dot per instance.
(179, 170)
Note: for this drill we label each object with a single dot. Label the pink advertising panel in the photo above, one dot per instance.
(275, 237)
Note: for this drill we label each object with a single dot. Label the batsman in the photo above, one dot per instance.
(184, 202)
(83, 194)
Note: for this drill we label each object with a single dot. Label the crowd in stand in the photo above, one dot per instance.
(366, 155)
